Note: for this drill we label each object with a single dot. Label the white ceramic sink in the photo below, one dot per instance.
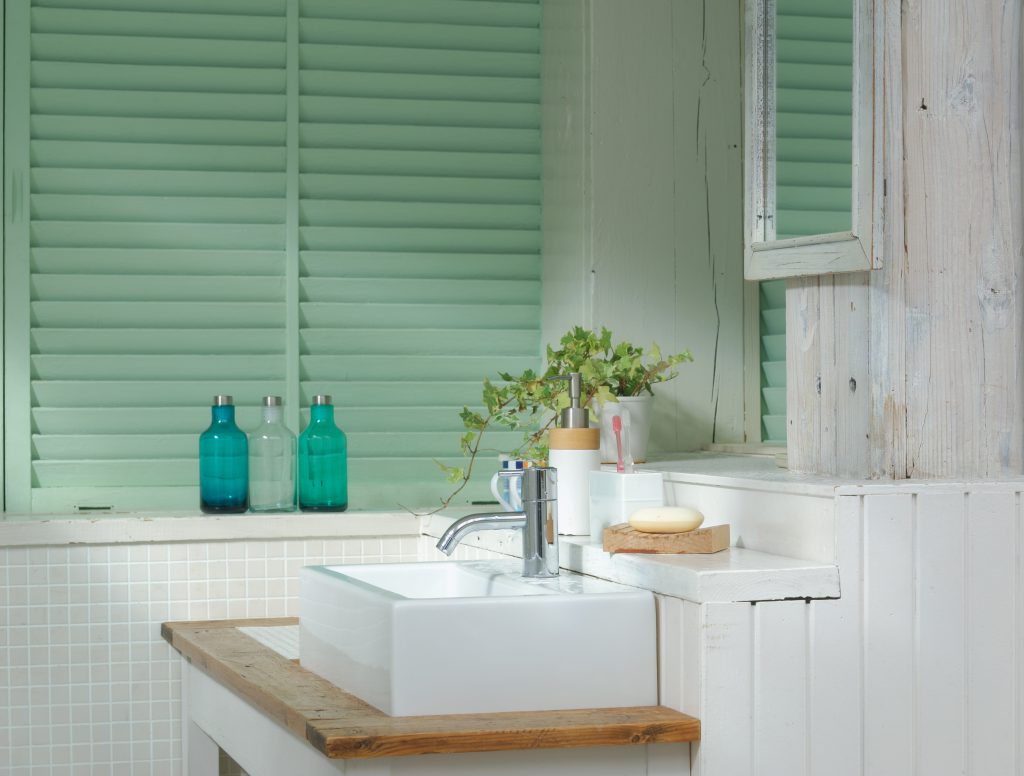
(473, 637)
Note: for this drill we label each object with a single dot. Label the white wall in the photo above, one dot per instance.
(643, 194)
(915, 671)
(87, 685)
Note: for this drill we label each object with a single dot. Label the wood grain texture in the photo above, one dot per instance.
(623, 538)
(964, 233)
(820, 253)
(342, 726)
(938, 341)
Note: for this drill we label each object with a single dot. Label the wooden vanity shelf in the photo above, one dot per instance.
(341, 726)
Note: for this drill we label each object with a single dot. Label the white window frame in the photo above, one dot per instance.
(765, 257)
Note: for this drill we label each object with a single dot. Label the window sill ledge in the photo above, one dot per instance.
(59, 530)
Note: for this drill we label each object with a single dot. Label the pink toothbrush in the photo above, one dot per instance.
(620, 467)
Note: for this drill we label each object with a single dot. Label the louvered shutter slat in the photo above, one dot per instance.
(156, 235)
(157, 248)
(419, 209)
(813, 119)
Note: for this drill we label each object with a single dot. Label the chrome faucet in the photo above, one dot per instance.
(538, 519)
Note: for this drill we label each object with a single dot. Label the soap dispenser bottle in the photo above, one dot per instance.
(323, 461)
(223, 462)
(272, 461)
(575, 451)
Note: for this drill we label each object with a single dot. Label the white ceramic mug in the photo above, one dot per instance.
(507, 484)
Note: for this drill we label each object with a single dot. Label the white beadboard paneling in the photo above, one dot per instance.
(693, 659)
(727, 691)
(671, 651)
(1018, 516)
(990, 626)
(888, 634)
(835, 659)
(780, 688)
(940, 633)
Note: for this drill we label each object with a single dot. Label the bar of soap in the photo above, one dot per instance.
(666, 520)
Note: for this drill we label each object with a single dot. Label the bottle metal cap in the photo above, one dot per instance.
(271, 401)
(322, 398)
(223, 400)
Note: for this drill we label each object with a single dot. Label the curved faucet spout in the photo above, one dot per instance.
(483, 521)
(538, 521)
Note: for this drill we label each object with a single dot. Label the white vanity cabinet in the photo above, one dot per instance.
(242, 694)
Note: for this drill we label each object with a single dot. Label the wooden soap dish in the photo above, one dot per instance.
(622, 538)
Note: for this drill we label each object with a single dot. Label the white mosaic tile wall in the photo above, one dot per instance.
(87, 685)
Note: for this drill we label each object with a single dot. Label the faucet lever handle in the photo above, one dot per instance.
(509, 474)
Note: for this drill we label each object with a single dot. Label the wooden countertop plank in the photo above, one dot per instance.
(344, 727)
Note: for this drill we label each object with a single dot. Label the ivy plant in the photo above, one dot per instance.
(529, 402)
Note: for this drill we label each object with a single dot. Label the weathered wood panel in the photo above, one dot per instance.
(642, 195)
(964, 232)
(943, 323)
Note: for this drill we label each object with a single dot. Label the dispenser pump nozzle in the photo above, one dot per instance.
(573, 416)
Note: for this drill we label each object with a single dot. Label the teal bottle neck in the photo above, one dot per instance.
(321, 413)
(224, 415)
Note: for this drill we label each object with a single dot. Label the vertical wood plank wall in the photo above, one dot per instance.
(915, 671)
(642, 217)
(932, 340)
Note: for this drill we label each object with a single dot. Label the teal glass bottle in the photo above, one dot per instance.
(323, 461)
(223, 462)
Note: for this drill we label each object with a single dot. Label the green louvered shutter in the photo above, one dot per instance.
(255, 196)
(814, 56)
(146, 143)
(419, 225)
(773, 362)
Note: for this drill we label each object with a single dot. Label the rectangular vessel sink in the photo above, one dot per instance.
(473, 637)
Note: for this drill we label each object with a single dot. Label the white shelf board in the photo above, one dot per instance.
(732, 575)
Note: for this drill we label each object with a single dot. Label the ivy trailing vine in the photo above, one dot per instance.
(529, 402)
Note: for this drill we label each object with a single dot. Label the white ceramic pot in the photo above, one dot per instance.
(638, 411)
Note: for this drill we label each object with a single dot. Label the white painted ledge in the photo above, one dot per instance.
(58, 530)
(733, 575)
(741, 472)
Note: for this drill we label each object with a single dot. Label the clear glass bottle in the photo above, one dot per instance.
(323, 461)
(223, 462)
(272, 461)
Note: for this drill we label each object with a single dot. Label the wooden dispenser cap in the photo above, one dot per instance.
(574, 439)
